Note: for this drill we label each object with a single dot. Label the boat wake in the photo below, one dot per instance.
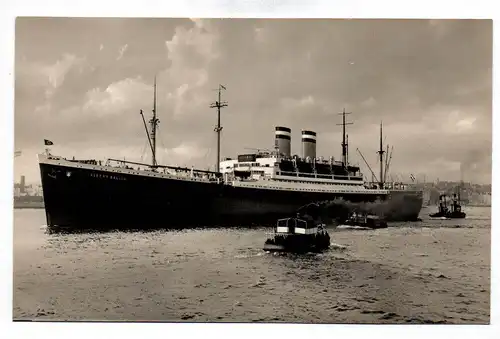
(349, 227)
(249, 255)
(337, 247)
(334, 247)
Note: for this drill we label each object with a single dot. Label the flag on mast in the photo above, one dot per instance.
(47, 142)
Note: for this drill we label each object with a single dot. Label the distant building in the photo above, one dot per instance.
(21, 189)
(470, 194)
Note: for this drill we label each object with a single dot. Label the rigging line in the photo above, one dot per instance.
(164, 153)
(161, 143)
(209, 150)
(207, 156)
(144, 150)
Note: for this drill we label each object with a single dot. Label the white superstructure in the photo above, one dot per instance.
(263, 171)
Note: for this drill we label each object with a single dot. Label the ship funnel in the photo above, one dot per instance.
(308, 144)
(282, 140)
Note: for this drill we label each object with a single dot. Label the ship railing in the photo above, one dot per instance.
(86, 161)
(172, 170)
(320, 176)
(176, 169)
(53, 157)
(397, 186)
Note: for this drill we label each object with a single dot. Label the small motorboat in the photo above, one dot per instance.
(363, 221)
(296, 235)
(444, 213)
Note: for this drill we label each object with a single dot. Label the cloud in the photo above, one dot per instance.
(187, 153)
(259, 35)
(292, 103)
(465, 124)
(370, 102)
(56, 72)
(117, 97)
(50, 76)
(121, 52)
(107, 117)
(194, 47)
(182, 85)
(430, 82)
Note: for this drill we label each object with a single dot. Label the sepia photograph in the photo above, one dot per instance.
(252, 170)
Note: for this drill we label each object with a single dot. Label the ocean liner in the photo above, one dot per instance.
(252, 188)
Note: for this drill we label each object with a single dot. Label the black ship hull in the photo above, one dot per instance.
(298, 243)
(103, 199)
(100, 200)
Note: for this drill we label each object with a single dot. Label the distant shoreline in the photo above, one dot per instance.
(463, 206)
(33, 205)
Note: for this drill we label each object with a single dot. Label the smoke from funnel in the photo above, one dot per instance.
(398, 208)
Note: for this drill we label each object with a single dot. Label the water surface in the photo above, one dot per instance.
(423, 272)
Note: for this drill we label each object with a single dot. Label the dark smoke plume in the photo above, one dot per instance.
(400, 208)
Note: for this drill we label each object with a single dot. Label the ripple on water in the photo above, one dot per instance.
(397, 275)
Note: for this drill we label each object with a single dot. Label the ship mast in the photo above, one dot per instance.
(381, 159)
(344, 142)
(460, 187)
(347, 149)
(152, 135)
(154, 122)
(218, 104)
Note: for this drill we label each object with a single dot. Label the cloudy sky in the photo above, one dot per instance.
(82, 82)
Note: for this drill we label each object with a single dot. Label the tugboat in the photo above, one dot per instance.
(445, 213)
(301, 234)
(364, 221)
